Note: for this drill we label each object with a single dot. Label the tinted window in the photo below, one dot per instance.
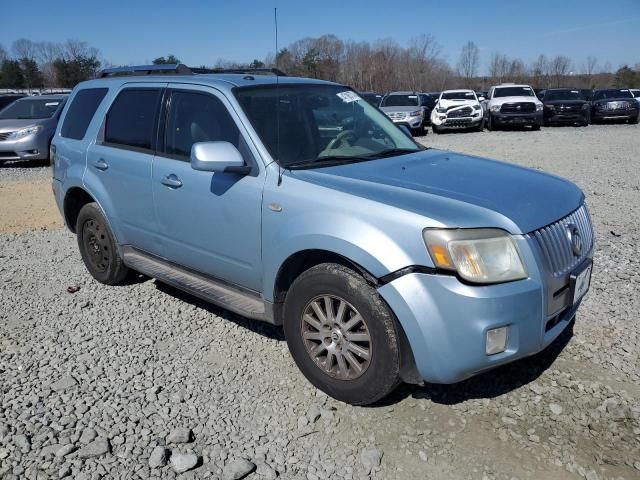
(4, 101)
(81, 111)
(131, 119)
(400, 101)
(458, 96)
(196, 117)
(565, 94)
(513, 92)
(31, 108)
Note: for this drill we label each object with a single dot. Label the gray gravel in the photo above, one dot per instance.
(107, 374)
(19, 171)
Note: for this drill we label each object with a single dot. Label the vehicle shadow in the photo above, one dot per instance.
(491, 384)
(24, 163)
(261, 328)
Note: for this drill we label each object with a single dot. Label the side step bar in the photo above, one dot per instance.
(243, 302)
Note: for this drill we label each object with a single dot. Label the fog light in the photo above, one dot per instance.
(496, 340)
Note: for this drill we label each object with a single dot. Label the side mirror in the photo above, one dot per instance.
(481, 98)
(218, 157)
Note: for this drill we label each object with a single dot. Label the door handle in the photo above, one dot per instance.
(101, 164)
(172, 181)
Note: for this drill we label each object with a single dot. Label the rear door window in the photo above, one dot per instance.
(81, 111)
(132, 119)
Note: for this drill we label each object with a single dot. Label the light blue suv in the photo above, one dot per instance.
(295, 202)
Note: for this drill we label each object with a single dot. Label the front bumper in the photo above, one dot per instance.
(411, 122)
(457, 122)
(566, 117)
(446, 321)
(32, 147)
(627, 114)
(516, 119)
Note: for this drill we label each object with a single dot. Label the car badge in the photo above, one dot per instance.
(575, 239)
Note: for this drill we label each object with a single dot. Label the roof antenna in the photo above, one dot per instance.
(275, 19)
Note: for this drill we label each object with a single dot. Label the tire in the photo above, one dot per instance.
(379, 374)
(435, 129)
(480, 126)
(490, 125)
(636, 120)
(97, 246)
(535, 127)
(417, 132)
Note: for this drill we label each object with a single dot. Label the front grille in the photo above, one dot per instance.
(463, 112)
(556, 246)
(4, 135)
(609, 106)
(397, 115)
(518, 107)
(569, 108)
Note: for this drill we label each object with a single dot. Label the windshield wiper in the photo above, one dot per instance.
(332, 159)
(391, 152)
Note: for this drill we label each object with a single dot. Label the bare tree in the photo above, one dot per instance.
(539, 72)
(3, 54)
(24, 48)
(469, 61)
(560, 67)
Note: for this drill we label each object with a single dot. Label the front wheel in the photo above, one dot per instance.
(490, 126)
(435, 129)
(342, 335)
(97, 246)
(480, 126)
(535, 127)
(635, 120)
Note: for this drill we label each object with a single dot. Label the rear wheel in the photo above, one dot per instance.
(97, 246)
(342, 335)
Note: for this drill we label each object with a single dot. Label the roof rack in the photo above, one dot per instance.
(181, 69)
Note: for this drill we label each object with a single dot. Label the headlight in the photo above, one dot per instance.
(477, 107)
(417, 113)
(538, 107)
(24, 132)
(483, 255)
(550, 107)
(495, 108)
(441, 110)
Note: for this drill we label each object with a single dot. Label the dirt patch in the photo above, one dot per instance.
(27, 206)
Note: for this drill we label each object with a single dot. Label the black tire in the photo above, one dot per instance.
(636, 120)
(97, 246)
(435, 129)
(381, 375)
(480, 126)
(490, 125)
(535, 127)
(417, 132)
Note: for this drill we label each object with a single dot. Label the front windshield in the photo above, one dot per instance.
(458, 96)
(316, 124)
(562, 95)
(400, 101)
(30, 109)
(612, 93)
(513, 92)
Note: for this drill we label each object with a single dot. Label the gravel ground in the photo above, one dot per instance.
(142, 381)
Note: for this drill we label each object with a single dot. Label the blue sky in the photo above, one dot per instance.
(200, 32)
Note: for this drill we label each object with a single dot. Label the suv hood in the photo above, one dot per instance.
(400, 109)
(449, 104)
(456, 190)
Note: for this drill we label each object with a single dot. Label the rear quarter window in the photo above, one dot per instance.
(81, 111)
(131, 121)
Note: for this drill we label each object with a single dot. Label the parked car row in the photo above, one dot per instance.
(506, 105)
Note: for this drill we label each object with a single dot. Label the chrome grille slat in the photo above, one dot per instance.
(555, 245)
(4, 135)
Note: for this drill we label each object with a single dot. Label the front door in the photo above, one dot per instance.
(209, 222)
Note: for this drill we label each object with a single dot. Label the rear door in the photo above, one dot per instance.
(209, 222)
(119, 164)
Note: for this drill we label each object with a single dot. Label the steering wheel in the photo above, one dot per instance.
(341, 137)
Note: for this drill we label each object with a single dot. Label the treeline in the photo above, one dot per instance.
(46, 64)
(382, 65)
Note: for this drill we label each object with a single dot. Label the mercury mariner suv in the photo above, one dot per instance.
(383, 260)
(513, 105)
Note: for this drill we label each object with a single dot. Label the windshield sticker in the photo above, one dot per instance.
(413, 96)
(348, 96)
(575, 91)
(51, 104)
